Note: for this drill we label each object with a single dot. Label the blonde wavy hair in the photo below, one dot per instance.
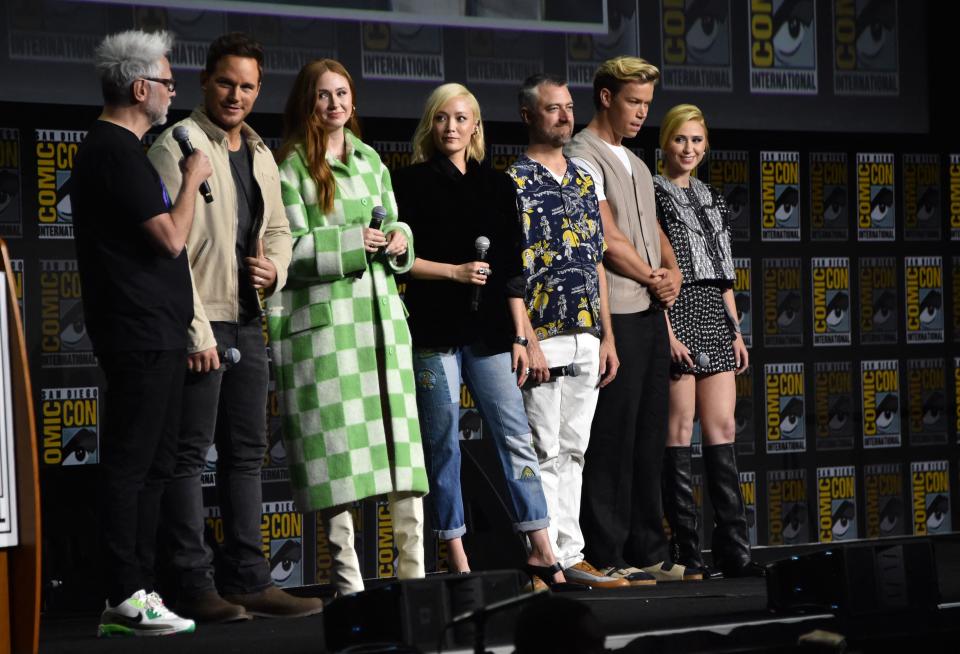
(423, 145)
(614, 73)
(675, 118)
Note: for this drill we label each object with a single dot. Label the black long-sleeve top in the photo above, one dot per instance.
(447, 210)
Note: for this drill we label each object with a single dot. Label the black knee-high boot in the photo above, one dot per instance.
(680, 509)
(731, 543)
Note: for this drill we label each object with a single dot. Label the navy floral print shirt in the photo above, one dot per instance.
(561, 248)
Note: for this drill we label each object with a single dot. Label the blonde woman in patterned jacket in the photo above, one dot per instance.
(338, 331)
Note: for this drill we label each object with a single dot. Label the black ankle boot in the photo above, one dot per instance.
(680, 509)
(731, 543)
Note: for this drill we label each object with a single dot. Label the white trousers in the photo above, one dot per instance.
(560, 413)
(406, 512)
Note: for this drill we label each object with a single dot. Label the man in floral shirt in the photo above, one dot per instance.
(569, 320)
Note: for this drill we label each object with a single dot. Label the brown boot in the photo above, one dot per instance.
(272, 602)
(208, 606)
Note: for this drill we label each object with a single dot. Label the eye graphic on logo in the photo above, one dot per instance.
(928, 205)
(838, 414)
(933, 408)
(937, 511)
(835, 204)
(742, 300)
(843, 518)
(285, 561)
(791, 417)
(881, 204)
(884, 306)
(74, 328)
(930, 307)
(742, 414)
(874, 28)
(9, 188)
(736, 200)
(887, 411)
(793, 522)
(705, 25)
(787, 205)
(80, 447)
(469, 424)
(890, 515)
(788, 309)
(277, 451)
(837, 309)
(791, 30)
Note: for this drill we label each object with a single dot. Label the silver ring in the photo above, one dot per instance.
(483, 271)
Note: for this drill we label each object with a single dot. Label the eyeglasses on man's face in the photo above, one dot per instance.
(170, 83)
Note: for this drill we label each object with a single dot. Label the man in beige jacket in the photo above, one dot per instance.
(239, 246)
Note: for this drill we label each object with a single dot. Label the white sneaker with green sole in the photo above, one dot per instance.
(142, 614)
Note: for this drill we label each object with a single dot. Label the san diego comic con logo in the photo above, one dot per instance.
(742, 298)
(955, 286)
(921, 197)
(880, 394)
(70, 424)
(787, 509)
(743, 413)
(16, 267)
(784, 389)
(833, 405)
(878, 300)
(55, 150)
(729, 172)
(884, 495)
(585, 52)
(830, 281)
(783, 52)
(11, 217)
(63, 334)
(782, 303)
(926, 401)
(956, 395)
(954, 207)
(865, 47)
(923, 303)
(780, 196)
(748, 489)
(386, 549)
(836, 503)
(696, 45)
(876, 210)
(281, 536)
(930, 495)
(829, 201)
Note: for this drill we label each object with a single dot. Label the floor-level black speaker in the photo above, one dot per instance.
(857, 579)
(417, 611)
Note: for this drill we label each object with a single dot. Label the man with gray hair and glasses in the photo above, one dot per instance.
(138, 304)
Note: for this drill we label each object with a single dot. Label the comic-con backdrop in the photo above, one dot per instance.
(845, 228)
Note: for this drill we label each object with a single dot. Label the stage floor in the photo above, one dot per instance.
(707, 616)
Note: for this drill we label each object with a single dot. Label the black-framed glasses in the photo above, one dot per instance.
(170, 83)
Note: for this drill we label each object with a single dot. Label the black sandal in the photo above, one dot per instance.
(545, 574)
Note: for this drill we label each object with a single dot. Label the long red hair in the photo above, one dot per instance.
(301, 125)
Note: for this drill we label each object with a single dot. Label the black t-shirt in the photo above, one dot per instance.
(134, 297)
(447, 211)
(248, 210)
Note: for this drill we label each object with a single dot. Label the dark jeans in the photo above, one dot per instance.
(227, 407)
(138, 453)
(620, 512)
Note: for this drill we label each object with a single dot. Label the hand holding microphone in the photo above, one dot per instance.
(182, 136)
(373, 238)
(482, 244)
(569, 370)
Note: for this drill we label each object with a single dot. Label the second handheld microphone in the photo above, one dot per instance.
(182, 137)
(482, 244)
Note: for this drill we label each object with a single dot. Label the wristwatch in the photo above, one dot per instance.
(520, 340)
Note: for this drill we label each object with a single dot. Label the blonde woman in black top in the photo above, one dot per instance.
(707, 351)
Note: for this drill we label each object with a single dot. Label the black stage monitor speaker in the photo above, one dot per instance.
(417, 611)
(858, 579)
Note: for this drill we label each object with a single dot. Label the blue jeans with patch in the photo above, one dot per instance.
(494, 387)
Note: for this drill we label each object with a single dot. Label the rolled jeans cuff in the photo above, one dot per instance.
(531, 525)
(450, 534)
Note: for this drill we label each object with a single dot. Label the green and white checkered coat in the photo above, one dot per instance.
(329, 326)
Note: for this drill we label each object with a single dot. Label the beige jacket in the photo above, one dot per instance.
(211, 245)
(634, 207)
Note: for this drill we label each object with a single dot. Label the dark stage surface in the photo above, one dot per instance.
(709, 616)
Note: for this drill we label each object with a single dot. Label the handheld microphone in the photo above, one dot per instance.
(182, 137)
(228, 357)
(376, 220)
(482, 244)
(569, 370)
